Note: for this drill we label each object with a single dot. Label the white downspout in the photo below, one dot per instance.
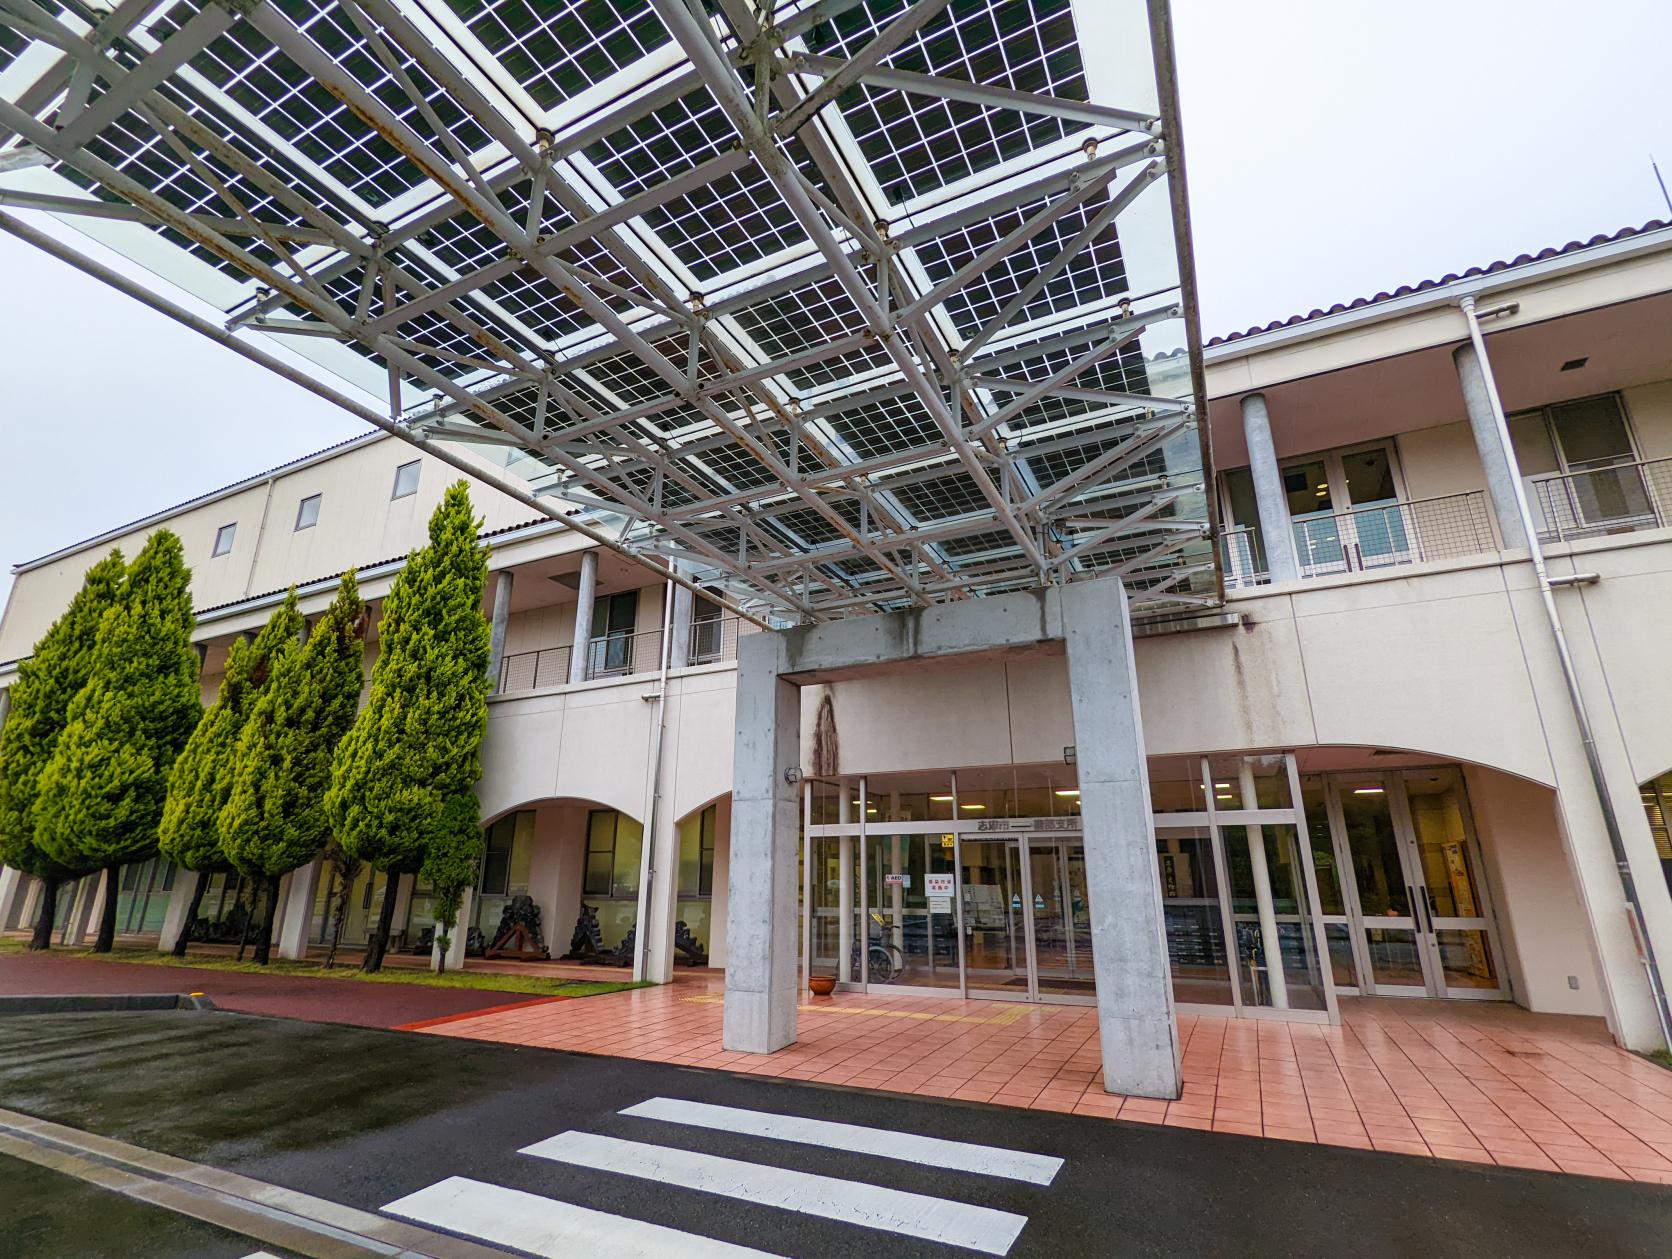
(1576, 698)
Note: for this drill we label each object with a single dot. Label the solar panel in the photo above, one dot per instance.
(849, 305)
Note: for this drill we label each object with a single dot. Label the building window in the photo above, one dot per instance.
(614, 844)
(223, 538)
(696, 853)
(307, 512)
(406, 480)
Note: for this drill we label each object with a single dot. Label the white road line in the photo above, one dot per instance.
(870, 1206)
(545, 1226)
(962, 1156)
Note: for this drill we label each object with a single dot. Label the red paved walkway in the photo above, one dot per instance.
(319, 1000)
(1482, 1082)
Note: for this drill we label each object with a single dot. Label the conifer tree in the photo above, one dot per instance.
(404, 781)
(40, 708)
(101, 795)
(201, 780)
(275, 818)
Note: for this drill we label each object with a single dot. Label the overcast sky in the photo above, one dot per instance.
(1336, 147)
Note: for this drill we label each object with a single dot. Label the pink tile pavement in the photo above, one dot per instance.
(1469, 1081)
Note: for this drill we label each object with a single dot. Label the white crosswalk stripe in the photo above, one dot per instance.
(963, 1156)
(545, 1226)
(854, 1202)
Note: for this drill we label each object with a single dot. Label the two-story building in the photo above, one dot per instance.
(1365, 767)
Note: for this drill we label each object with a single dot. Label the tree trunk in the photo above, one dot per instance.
(264, 941)
(48, 917)
(337, 907)
(107, 919)
(379, 943)
(249, 916)
(185, 935)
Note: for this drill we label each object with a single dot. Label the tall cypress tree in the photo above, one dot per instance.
(101, 795)
(201, 780)
(404, 781)
(46, 684)
(275, 818)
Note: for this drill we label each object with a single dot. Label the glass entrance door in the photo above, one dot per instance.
(1416, 901)
(1026, 918)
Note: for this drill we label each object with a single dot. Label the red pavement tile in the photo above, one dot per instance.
(1461, 1081)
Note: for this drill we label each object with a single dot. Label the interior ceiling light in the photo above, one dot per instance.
(1368, 791)
(973, 808)
(942, 799)
(631, 278)
(1068, 793)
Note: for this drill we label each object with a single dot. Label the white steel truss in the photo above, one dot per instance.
(850, 305)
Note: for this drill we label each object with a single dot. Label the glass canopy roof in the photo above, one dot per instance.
(848, 305)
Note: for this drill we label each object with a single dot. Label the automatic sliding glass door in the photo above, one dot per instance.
(1416, 899)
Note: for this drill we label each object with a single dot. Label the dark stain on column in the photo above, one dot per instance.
(827, 748)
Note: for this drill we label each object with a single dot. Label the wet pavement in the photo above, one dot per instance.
(106, 1226)
(366, 1117)
(285, 996)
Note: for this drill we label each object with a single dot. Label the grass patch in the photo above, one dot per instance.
(1661, 1058)
(478, 981)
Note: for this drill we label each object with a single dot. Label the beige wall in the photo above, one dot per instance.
(1540, 920)
(358, 525)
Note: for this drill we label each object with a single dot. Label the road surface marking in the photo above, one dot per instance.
(870, 1206)
(547, 1227)
(962, 1156)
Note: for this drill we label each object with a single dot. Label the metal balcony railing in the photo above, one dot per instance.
(1364, 539)
(1595, 502)
(713, 639)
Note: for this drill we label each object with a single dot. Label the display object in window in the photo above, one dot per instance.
(519, 935)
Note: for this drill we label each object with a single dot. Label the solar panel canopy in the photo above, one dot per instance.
(847, 306)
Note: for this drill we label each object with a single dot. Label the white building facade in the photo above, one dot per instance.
(1365, 771)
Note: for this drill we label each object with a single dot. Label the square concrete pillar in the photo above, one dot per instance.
(179, 905)
(457, 942)
(765, 837)
(13, 887)
(1135, 1022)
(297, 915)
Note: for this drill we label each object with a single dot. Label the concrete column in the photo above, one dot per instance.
(1502, 472)
(83, 924)
(179, 904)
(765, 835)
(297, 917)
(13, 885)
(31, 903)
(659, 902)
(1136, 1027)
(501, 623)
(1271, 944)
(844, 889)
(679, 652)
(457, 942)
(1277, 530)
(586, 596)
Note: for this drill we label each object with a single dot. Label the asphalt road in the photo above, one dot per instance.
(367, 1117)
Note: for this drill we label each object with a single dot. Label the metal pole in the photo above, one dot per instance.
(439, 450)
(1570, 676)
(653, 807)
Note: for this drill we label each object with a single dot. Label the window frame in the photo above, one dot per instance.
(216, 550)
(395, 491)
(318, 501)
